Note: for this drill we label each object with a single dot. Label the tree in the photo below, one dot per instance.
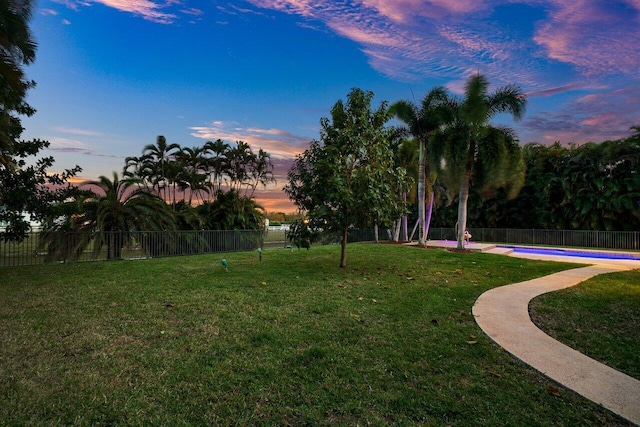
(348, 179)
(160, 155)
(18, 49)
(26, 187)
(422, 122)
(231, 211)
(218, 163)
(111, 216)
(470, 139)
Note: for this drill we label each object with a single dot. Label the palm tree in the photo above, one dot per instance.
(161, 154)
(238, 161)
(422, 122)
(218, 163)
(110, 216)
(195, 168)
(406, 157)
(231, 211)
(261, 171)
(472, 139)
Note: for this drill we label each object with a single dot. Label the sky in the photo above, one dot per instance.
(112, 75)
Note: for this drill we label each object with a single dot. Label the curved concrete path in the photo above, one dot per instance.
(503, 314)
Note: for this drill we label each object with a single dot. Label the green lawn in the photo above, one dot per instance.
(600, 317)
(177, 341)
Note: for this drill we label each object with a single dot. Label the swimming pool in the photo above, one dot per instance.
(573, 253)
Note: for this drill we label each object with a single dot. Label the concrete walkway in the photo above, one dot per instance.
(503, 314)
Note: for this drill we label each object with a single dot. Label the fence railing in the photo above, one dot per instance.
(78, 247)
(624, 240)
(75, 247)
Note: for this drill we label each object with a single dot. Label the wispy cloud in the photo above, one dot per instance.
(66, 145)
(413, 39)
(153, 11)
(598, 37)
(73, 131)
(279, 143)
(554, 90)
(595, 117)
(48, 12)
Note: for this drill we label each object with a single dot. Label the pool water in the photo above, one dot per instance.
(573, 252)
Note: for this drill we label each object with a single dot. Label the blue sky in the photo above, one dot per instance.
(113, 74)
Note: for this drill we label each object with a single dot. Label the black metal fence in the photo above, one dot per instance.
(75, 247)
(624, 240)
(79, 247)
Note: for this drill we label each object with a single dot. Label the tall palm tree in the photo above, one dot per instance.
(422, 121)
(110, 216)
(261, 171)
(239, 159)
(473, 139)
(195, 171)
(217, 163)
(407, 158)
(161, 154)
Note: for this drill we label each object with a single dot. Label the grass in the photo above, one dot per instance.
(599, 317)
(291, 340)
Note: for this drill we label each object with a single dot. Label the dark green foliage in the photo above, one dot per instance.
(586, 187)
(301, 235)
(231, 211)
(110, 217)
(349, 178)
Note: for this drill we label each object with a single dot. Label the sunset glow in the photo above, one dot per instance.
(113, 74)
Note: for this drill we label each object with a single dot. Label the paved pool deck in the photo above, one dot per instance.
(503, 314)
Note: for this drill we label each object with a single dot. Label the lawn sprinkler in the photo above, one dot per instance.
(259, 250)
(224, 264)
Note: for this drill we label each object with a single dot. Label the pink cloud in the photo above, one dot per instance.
(599, 120)
(404, 11)
(279, 143)
(598, 116)
(598, 37)
(147, 9)
(554, 90)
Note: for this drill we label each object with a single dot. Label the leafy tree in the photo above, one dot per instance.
(18, 49)
(422, 123)
(471, 141)
(25, 186)
(111, 216)
(349, 178)
(587, 187)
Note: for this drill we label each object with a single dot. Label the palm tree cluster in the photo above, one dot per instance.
(199, 174)
(458, 145)
(167, 188)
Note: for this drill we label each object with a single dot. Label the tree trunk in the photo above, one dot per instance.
(462, 206)
(405, 224)
(343, 249)
(422, 238)
(462, 210)
(429, 212)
